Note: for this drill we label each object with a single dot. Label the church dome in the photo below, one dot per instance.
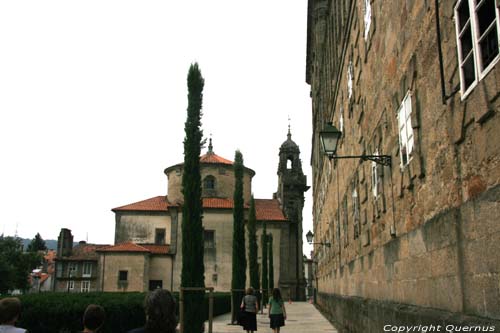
(289, 144)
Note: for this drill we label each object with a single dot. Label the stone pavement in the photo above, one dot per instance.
(301, 317)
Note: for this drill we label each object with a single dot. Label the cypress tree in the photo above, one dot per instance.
(37, 244)
(239, 256)
(271, 262)
(264, 277)
(193, 270)
(252, 247)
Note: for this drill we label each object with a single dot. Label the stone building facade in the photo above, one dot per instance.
(145, 228)
(419, 81)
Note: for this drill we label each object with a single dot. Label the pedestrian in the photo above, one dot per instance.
(277, 311)
(93, 318)
(10, 310)
(250, 306)
(159, 307)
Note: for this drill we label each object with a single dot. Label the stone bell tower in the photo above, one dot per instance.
(292, 184)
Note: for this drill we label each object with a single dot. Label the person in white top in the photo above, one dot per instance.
(10, 310)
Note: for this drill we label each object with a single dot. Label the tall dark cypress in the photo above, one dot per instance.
(271, 262)
(264, 277)
(252, 247)
(239, 256)
(193, 270)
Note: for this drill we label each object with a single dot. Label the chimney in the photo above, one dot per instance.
(64, 243)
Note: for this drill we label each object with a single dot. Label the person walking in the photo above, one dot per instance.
(10, 310)
(277, 311)
(159, 306)
(93, 318)
(250, 306)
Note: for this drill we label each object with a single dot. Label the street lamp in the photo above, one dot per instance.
(310, 237)
(330, 136)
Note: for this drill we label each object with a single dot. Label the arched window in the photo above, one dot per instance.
(209, 183)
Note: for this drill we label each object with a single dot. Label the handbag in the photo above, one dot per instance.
(240, 317)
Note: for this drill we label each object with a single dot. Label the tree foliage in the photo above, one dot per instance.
(239, 262)
(15, 265)
(37, 244)
(264, 277)
(252, 247)
(193, 270)
(271, 262)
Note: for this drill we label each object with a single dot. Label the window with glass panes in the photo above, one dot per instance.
(87, 269)
(477, 26)
(85, 286)
(405, 131)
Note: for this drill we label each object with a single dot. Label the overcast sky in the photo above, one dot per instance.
(93, 101)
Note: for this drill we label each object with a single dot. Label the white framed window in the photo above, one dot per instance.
(87, 269)
(85, 286)
(367, 9)
(341, 120)
(349, 79)
(71, 285)
(477, 26)
(375, 177)
(72, 269)
(405, 131)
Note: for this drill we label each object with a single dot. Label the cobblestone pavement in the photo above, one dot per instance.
(301, 317)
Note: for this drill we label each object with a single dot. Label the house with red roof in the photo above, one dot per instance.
(147, 253)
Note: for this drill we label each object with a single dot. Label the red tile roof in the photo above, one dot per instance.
(268, 210)
(211, 157)
(133, 247)
(157, 249)
(156, 204)
(82, 252)
(219, 203)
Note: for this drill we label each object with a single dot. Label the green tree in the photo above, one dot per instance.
(264, 277)
(253, 265)
(193, 270)
(15, 265)
(239, 268)
(271, 262)
(37, 244)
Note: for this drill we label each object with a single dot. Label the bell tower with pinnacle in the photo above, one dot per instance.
(292, 184)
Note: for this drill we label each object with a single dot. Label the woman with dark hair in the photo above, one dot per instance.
(159, 306)
(250, 305)
(277, 312)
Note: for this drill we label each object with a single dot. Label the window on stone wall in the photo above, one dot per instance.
(85, 286)
(71, 285)
(375, 177)
(345, 222)
(355, 210)
(87, 269)
(209, 239)
(405, 131)
(477, 30)
(350, 74)
(367, 11)
(209, 183)
(122, 276)
(341, 120)
(72, 269)
(160, 236)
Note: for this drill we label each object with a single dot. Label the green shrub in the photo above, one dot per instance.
(62, 312)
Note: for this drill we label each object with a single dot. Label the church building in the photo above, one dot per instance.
(148, 252)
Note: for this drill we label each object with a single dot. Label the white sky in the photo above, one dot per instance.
(93, 101)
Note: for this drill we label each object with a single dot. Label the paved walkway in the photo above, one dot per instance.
(301, 317)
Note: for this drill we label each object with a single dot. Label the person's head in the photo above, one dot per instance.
(10, 309)
(276, 294)
(249, 291)
(93, 317)
(159, 306)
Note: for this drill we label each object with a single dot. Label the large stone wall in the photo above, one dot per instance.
(430, 237)
(140, 227)
(137, 265)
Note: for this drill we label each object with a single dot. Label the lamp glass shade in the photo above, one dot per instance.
(309, 236)
(329, 137)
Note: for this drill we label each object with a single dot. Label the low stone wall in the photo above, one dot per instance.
(356, 314)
